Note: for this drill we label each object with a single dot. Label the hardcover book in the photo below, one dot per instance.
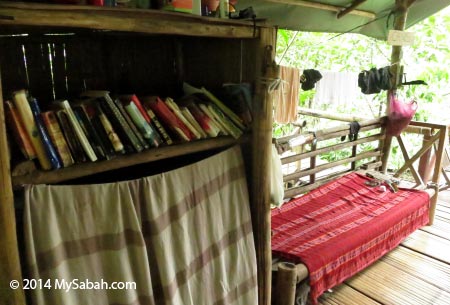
(133, 127)
(168, 118)
(146, 130)
(93, 115)
(72, 140)
(19, 132)
(174, 108)
(120, 125)
(158, 126)
(50, 149)
(207, 124)
(57, 137)
(23, 108)
(87, 147)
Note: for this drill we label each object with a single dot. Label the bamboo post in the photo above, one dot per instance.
(286, 283)
(9, 254)
(401, 13)
(425, 161)
(261, 154)
(443, 134)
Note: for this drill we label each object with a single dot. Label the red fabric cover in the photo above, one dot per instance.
(344, 226)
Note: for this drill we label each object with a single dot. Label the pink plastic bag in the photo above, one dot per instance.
(400, 114)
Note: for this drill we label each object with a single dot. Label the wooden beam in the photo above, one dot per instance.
(126, 20)
(349, 9)
(331, 116)
(286, 283)
(413, 159)
(9, 253)
(261, 156)
(325, 7)
(443, 137)
(416, 176)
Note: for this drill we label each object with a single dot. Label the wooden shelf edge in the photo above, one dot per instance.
(122, 19)
(86, 169)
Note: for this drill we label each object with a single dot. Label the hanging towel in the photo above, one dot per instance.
(286, 100)
(337, 90)
(184, 237)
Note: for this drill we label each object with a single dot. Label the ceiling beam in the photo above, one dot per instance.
(326, 7)
(349, 9)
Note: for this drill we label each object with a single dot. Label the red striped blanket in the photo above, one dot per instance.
(344, 226)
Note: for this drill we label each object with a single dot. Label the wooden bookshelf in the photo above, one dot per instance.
(154, 154)
(123, 19)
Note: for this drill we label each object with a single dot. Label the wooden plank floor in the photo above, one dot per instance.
(415, 273)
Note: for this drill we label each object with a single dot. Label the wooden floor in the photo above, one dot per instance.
(416, 272)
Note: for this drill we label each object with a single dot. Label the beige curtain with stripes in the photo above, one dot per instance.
(184, 237)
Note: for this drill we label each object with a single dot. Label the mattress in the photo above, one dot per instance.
(343, 226)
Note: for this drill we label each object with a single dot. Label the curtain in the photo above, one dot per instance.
(184, 237)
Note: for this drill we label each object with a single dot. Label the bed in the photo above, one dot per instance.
(340, 221)
(343, 226)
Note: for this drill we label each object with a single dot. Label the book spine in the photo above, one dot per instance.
(138, 135)
(138, 104)
(171, 121)
(174, 108)
(188, 115)
(146, 130)
(48, 145)
(79, 132)
(234, 131)
(234, 118)
(69, 134)
(20, 134)
(93, 117)
(162, 131)
(24, 110)
(112, 135)
(125, 131)
(204, 120)
(89, 131)
(214, 121)
(57, 137)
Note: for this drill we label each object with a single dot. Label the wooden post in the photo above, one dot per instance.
(9, 254)
(443, 134)
(286, 283)
(261, 154)
(401, 12)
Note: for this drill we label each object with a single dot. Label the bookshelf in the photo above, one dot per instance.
(131, 50)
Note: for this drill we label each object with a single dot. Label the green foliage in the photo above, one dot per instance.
(428, 59)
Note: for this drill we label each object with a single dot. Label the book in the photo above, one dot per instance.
(231, 129)
(50, 149)
(93, 114)
(207, 124)
(87, 147)
(23, 108)
(133, 127)
(168, 118)
(188, 115)
(146, 130)
(19, 132)
(57, 137)
(112, 135)
(176, 110)
(72, 140)
(89, 131)
(157, 124)
(119, 123)
(188, 89)
(213, 119)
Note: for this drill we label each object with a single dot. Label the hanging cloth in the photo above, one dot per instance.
(286, 100)
(184, 237)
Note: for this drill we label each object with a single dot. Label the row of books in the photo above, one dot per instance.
(98, 126)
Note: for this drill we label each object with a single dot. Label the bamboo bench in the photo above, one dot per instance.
(304, 172)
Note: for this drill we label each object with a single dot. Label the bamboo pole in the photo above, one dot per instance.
(401, 13)
(443, 135)
(261, 148)
(349, 9)
(9, 254)
(286, 283)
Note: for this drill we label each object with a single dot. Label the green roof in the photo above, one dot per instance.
(371, 17)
